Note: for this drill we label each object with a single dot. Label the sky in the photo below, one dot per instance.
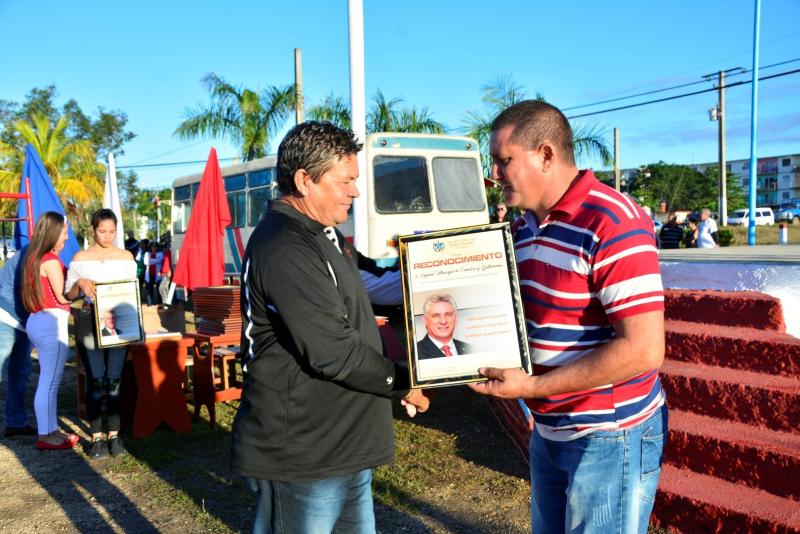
(147, 59)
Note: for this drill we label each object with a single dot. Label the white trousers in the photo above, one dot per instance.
(48, 331)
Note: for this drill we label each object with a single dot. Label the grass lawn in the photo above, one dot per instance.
(765, 235)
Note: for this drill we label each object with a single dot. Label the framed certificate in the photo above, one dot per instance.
(463, 308)
(118, 313)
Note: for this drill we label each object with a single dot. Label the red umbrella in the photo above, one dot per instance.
(201, 261)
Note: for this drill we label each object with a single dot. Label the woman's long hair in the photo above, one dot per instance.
(45, 236)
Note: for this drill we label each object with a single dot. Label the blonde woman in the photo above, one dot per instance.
(42, 296)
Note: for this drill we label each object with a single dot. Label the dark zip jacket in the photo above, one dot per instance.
(316, 398)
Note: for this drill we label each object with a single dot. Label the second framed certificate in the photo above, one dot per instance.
(118, 313)
(462, 304)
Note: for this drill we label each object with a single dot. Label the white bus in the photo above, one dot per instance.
(415, 183)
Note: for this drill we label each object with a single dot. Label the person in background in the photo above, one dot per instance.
(15, 348)
(132, 244)
(42, 296)
(707, 233)
(166, 271)
(315, 415)
(141, 265)
(671, 233)
(594, 304)
(690, 237)
(500, 213)
(152, 273)
(101, 262)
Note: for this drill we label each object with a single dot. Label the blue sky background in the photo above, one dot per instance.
(147, 58)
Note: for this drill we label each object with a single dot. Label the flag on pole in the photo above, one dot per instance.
(201, 258)
(111, 200)
(43, 198)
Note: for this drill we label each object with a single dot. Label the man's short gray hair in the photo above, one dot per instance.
(706, 211)
(435, 299)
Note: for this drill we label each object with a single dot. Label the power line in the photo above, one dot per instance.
(170, 164)
(675, 97)
(670, 88)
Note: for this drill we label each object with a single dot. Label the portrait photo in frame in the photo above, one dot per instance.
(118, 313)
(463, 309)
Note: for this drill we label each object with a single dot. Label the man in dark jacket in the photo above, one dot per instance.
(671, 234)
(315, 415)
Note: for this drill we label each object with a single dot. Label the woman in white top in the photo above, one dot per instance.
(102, 262)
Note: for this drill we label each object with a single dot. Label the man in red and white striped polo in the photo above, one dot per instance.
(594, 306)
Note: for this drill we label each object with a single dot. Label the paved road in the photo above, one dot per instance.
(743, 254)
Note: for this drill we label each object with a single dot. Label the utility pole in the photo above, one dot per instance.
(298, 85)
(616, 159)
(723, 175)
(718, 114)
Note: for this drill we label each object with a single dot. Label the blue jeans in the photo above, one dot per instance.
(603, 482)
(340, 504)
(15, 367)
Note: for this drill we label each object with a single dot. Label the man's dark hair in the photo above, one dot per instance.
(313, 146)
(535, 122)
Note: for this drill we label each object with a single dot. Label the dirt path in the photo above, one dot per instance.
(456, 472)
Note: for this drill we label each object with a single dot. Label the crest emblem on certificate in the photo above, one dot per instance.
(438, 246)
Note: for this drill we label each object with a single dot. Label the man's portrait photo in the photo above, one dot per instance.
(109, 324)
(440, 316)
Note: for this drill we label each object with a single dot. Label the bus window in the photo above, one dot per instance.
(180, 215)
(236, 205)
(458, 184)
(401, 184)
(257, 204)
(234, 183)
(260, 178)
(182, 193)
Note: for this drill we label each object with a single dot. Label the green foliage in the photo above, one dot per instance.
(502, 92)
(682, 187)
(384, 115)
(241, 115)
(726, 238)
(69, 142)
(105, 130)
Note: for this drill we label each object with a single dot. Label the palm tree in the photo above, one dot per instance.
(240, 115)
(385, 115)
(71, 165)
(502, 92)
(333, 109)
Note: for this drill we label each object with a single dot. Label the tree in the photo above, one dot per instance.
(240, 115)
(384, 116)
(682, 188)
(105, 131)
(502, 92)
(333, 109)
(69, 162)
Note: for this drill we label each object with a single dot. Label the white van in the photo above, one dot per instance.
(742, 217)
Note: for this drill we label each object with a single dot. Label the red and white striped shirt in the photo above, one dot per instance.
(591, 262)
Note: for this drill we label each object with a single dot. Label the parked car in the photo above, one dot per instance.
(789, 212)
(742, 217)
